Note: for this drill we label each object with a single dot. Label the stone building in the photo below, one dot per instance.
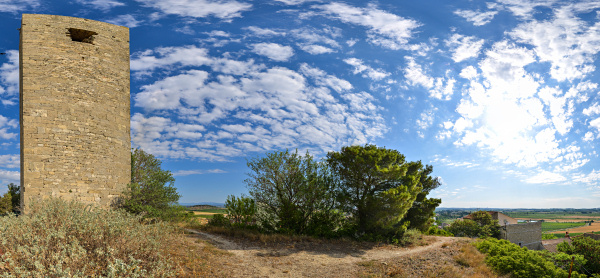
(502, 218)
(74, 109)
(524, 234)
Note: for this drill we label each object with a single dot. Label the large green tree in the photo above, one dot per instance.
(151, 191)
(375, 189)
(10, 201)
(420, 215)
(295, 191)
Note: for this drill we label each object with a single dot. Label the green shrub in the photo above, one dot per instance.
(68, 239)
(508, 258)
(151, 192)
(241, 211)
(434, 231)
(219, 220)
(588, 248)
(548, 236)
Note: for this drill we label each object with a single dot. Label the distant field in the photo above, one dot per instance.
(595, 227)
(550, 215)
(208, 213)
(562, 234)
(553, 226)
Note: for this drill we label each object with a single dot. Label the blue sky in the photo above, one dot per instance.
(501, 97)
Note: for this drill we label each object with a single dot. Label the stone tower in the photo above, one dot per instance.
(74, 98)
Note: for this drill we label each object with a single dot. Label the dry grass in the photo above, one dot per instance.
(458, 259)
(197, 258)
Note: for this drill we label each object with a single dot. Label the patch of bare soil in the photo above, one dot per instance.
(326, 258)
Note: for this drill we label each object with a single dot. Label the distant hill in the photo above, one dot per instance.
(220, 205)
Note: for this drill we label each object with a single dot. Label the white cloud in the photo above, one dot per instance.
(9, 78)
(262, 109)
(16, 6)
(595, 123)
(323, 79)
(273, 51)
(592, 110)
(296, 2)
(567, 42)
(168, 56)
(10, 161)
(125, 20)
(182, 173)
(264, 32)
(5, 125)
(367, 71)
(589, 136)
(101, 4)
(10, 177)
(226, 9)
(464, 47)
(310, 36)
(385, 29)
(439, 88)
(477, 17)
(545, 177)
(315, 49)
(525, 9)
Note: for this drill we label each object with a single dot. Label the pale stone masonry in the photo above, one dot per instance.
(74, 98)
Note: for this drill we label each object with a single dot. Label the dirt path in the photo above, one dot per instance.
(292, 261)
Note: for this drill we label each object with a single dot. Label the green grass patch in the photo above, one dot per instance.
(561, 235)
(556, 226)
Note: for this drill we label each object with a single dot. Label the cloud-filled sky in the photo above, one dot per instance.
(501, 97)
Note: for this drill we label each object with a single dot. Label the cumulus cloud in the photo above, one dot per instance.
(273, 51)
(367, 71)
(263, 109)
(101, 4)
(464, 47)
(182, 173)
(6, 125)
(439, 88)
(16, 6)
(226, 9)
(10, 177)
(385, 29)
(9, 78)
(264, 32)
(315, 49)
(567, 42)
(478, 18)
(545, 177)
(10, 161)
(125, 20)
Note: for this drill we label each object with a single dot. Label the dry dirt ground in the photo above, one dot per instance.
(335, 259)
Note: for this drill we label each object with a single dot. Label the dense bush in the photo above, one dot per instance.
(293, 192)
(586, 247)
(241, 211)
(480, 225)
(68, 239)
(508, 258)
(375, 190)
(151, 192)
(10, 201)
(435, 231)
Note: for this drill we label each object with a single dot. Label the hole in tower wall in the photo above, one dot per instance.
(80, 35)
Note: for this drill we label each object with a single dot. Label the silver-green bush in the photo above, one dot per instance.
(69, 239)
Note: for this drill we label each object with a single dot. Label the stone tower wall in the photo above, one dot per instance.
(74, 97)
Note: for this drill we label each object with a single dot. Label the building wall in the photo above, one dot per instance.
(74, 97)
(526, 234)
(501, 217)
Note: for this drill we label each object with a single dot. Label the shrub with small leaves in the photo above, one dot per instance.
(508, 258)
(57, 238)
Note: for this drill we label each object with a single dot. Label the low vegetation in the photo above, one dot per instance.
(506, 258)
(68, 239)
